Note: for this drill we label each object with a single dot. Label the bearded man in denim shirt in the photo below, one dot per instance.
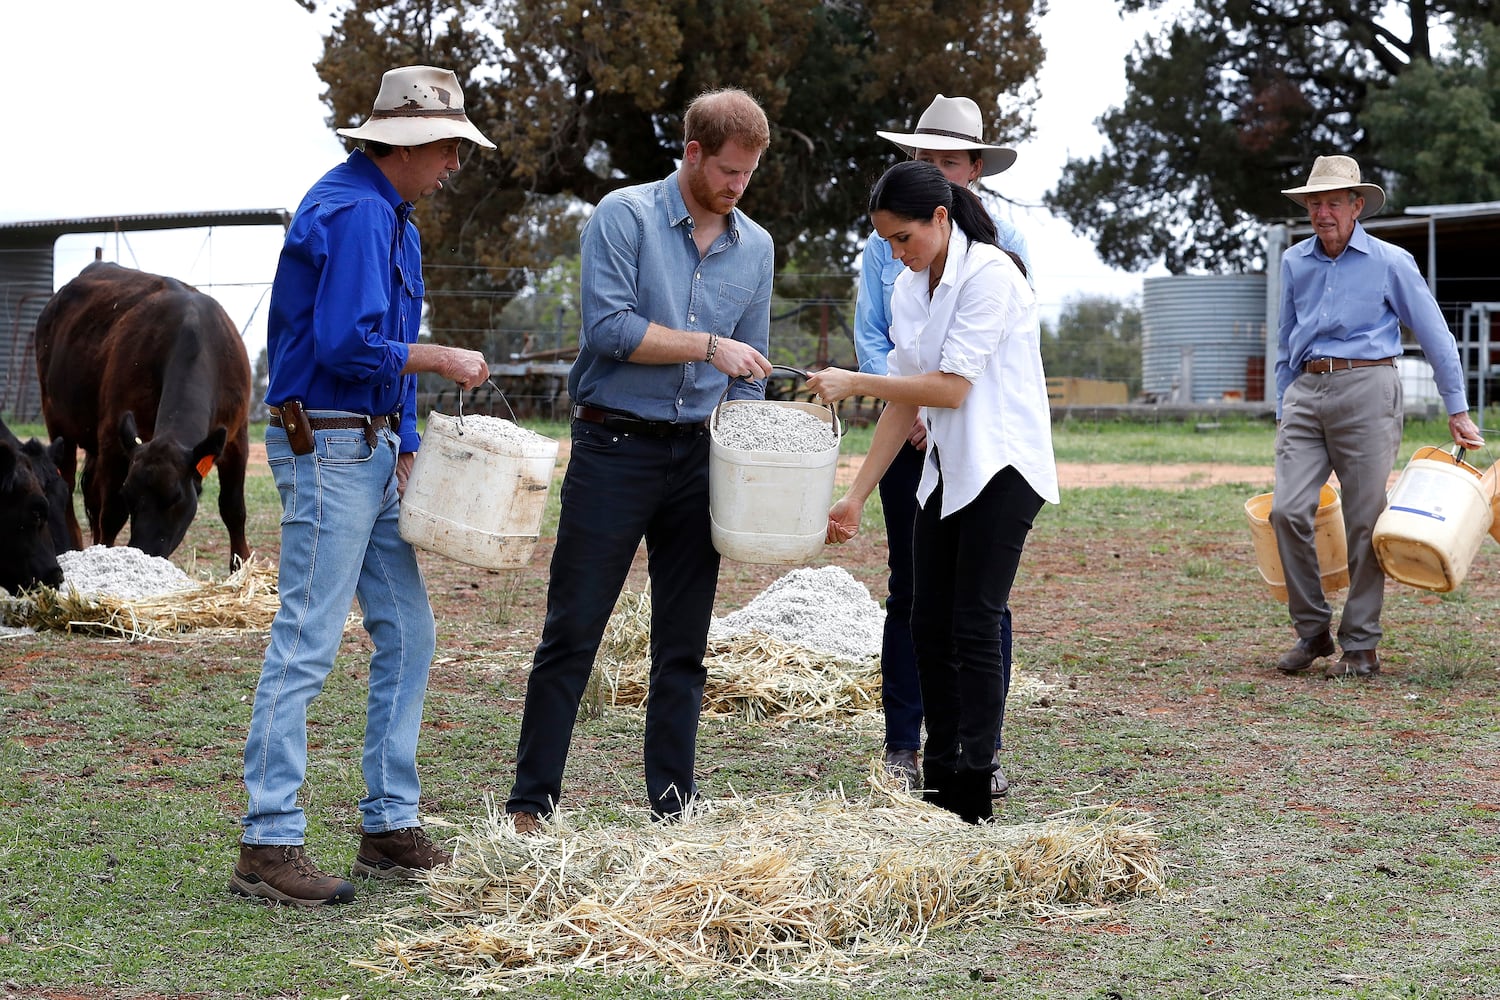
(676, 301)
(341, 336)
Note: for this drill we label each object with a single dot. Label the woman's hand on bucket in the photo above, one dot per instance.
(831, 385)
(843, 521)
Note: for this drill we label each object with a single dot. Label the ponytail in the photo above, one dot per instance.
(913, 190)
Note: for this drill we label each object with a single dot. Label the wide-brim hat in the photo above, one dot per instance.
(417, 105)
(953, 123)
(1338, 173)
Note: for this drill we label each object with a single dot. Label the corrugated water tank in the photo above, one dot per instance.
(1201, 334)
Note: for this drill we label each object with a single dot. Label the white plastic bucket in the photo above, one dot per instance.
(771, 506)
(1328, 537)
(477, 498)
(1436, 516)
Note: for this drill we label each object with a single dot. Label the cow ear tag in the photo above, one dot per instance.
(204, 464)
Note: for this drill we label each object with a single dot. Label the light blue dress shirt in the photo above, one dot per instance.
(877, 276)
(641, 266)
(1354, 305)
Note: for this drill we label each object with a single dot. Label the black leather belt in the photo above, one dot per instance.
(631, 425)
(1327, 366)
(393, 421)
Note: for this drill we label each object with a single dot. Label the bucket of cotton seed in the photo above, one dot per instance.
(478, 490)
(771, 469)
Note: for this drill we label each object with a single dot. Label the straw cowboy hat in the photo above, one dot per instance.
(418, 105)
(1338, 173)
(952, 123)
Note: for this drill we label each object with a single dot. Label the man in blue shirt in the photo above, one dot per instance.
(1345, 296)
(676, 300)
(948, 135)
(346, 308)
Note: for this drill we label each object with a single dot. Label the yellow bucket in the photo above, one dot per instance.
(1328, 535)
(1434, 521)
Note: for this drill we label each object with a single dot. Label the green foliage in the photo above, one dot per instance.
(582, 97)
(1095, 337)
(1438, 124)
(1231, 104)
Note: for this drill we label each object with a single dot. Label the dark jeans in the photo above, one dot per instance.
(900, 691)
(965, 564)
(620, 488)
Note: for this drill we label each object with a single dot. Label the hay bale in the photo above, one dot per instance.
(794, 888)
(246, 600)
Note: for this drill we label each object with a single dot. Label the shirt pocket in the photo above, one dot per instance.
(730, 305)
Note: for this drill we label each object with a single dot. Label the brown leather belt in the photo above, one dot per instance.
(1327, 366)
(632, 425)
(370, 425)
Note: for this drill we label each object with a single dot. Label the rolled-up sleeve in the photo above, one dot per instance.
(612, 326)
(986, 309)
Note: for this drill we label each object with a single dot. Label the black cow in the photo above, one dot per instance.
(27, 556)
(44, 460)
(150, 378)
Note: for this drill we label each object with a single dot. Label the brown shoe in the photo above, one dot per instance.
(999, 783)
(527, 823)
(283, 873)
(1354, 663)
(1302, 655)
(902, 765)
(397, 854)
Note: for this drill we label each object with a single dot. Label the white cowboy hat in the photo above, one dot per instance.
(952, 123)
(418, 105)
(1338, 173)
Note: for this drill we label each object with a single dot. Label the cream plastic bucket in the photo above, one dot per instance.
(477, 498)
(770, 506)
(1328, 536)
(1435, 518)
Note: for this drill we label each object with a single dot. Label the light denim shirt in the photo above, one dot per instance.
(641, 266)
(877, 276)
(1354, 305)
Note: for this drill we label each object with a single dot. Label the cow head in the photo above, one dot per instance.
(44, 464)
(163, 484)
(27, 555)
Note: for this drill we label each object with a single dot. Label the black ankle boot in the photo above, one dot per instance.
(937, 787)
(971, 796)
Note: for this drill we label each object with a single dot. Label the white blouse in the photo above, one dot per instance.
(980, 323)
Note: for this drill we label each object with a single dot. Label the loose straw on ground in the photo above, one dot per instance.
(807, 887)
(243, 601)
(753, 676)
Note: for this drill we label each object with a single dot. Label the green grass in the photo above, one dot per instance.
(1323, 839)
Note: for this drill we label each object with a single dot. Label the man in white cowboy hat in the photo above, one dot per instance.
(1345, 296)
(949, 135)
(346, 307)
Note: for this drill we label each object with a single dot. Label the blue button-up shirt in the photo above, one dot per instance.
(347, 299)
(1354, 305)
(878, 271)
(641, 266)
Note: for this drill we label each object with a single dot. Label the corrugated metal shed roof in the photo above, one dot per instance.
(45, 231)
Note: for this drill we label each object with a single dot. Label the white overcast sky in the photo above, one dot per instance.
(154, 106)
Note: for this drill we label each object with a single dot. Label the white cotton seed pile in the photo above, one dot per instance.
(495, 429)
(768, 427)
(121, 572)
(823, 609)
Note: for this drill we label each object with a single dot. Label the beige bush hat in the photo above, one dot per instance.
(952, 123)
(418, 105)
(1337, 173)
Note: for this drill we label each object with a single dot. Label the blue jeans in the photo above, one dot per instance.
(339, 542)
(620, 488)
(900, 691)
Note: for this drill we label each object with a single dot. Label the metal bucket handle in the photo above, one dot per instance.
(786, 368)
(502, 399)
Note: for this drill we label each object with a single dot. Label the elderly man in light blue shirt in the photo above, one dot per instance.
(949, 135)
(1345, 296)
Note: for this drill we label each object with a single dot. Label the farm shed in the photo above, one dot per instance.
(27, 275)
(1201, 337)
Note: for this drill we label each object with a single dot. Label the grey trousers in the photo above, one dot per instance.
(1348, 422)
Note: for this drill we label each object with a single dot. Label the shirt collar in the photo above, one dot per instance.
(1358, 240)
(677, 210)
(366, 168)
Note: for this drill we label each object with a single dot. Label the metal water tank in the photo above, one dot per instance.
(1201, 336)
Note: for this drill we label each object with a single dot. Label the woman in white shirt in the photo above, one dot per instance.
(967, 355)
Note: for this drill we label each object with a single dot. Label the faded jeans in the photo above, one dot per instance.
(339, 542)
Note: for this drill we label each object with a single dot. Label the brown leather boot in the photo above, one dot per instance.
(397, 854)
(1302, 655)
(284, 873)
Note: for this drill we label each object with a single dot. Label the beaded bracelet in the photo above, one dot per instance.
(713, 347)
